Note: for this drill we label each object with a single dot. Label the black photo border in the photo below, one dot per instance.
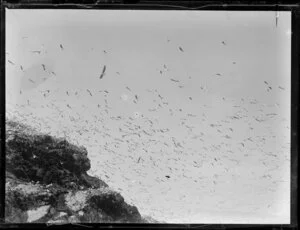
(163, 5)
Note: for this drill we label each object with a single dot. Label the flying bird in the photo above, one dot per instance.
(11, 62)
(218, 74)
(223, 43)
(266, 82)
(36, 51)
(61, 46)
(180, 48)
(174, 80)
(21, 67)
(44, 67)
(89, 92)
(103, 72)
(280, 87)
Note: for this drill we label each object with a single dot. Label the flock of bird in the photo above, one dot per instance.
(140, 153)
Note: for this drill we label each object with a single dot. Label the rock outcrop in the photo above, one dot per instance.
(47, 182)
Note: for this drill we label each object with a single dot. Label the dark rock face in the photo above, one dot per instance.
(47, 181)
(45, 159)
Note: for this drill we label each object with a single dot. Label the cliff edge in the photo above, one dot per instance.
(47, 182)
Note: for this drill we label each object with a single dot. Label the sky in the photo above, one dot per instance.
(202, 97)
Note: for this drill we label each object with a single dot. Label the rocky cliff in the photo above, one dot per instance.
(47, 182)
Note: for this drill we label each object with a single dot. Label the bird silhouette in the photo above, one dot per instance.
(61, 46)
(223, 43)
(103, 72)
(36, 51)
(89, 92)
(180, 48)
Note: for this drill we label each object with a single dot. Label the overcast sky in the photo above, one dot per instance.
(201, 66)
